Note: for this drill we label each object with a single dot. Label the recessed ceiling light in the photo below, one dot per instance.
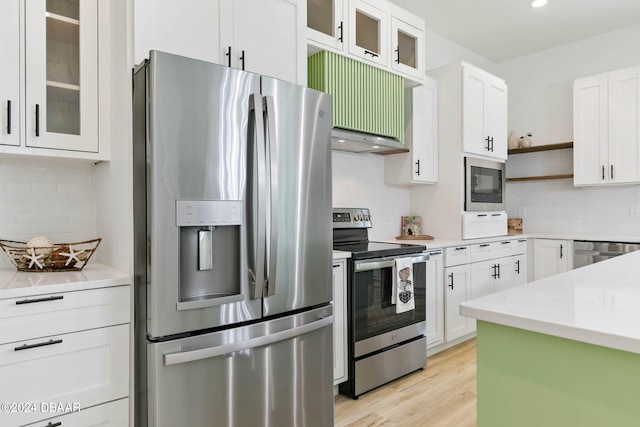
(538, 3)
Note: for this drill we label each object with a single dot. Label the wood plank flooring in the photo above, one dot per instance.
(442, 395)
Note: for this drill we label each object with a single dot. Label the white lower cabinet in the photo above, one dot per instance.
(476, 270)
(435, 299)
(112, 414)
(86, 368)
(457, 290)
(64, 357)
(339, 322)
(551, 256)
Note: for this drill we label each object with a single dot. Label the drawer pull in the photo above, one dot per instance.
(508, 242)
(41, 344)
(461, 248)
(58, 424)
(484, 245)
(29, 301)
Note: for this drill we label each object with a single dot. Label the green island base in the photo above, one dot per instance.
(528, 379)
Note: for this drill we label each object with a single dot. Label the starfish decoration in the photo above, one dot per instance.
(72, 255)
(34, 258)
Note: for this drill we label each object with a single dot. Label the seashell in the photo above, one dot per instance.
(42, 245)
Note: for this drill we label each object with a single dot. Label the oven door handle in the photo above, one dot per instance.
(375, 264)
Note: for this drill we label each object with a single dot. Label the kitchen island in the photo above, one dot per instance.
(562, 351)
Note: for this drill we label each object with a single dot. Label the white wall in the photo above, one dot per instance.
(358, 179)
(540, 101)
(50, 197)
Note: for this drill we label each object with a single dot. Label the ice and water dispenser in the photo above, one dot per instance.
(210, 252)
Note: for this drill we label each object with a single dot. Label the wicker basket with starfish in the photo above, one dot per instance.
(48, 257)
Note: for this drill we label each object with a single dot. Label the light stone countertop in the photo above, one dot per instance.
(597, 304)
(18, 284)
(341, 255)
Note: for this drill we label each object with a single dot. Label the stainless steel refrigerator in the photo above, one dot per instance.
(233, 277)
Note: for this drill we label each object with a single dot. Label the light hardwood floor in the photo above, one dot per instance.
(442, 395)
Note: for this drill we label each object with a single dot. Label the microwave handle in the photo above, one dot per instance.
(376, 264)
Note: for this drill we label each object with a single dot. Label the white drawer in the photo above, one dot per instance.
(54, 314)
(112, 414)
(503, 248)
(476, 225)
(84, 368)
(519, 247)
(456, 255)
(483, 251)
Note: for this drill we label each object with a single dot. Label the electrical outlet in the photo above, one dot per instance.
(634, 211)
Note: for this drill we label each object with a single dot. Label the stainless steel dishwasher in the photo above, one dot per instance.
(586, 252)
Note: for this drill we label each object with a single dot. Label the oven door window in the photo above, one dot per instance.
(486, 185)
(374, 313)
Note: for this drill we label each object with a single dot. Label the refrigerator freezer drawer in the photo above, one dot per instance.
(273, 373)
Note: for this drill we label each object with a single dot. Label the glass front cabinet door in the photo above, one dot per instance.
(408, 49)
(368, 32)
(61, 66)
(325, 23)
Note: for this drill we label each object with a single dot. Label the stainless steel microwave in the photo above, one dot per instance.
(484, 185)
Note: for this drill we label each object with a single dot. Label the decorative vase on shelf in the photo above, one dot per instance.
(513, 140)
(526, 141)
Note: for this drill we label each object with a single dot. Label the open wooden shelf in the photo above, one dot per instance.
(535, 148)
(541, 177)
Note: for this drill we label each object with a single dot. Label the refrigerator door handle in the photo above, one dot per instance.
(272, 215)
(258, 218)
(210, 352)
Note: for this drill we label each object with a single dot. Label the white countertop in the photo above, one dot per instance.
(17, 284)
(341, 255)
(597, 304)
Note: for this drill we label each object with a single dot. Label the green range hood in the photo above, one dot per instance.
(368, 103)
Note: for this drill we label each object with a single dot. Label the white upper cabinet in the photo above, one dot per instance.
(407, 42)
(325, 23)
(62, 74)
(10, 73)
(377, 32)
(51, 109)
(368, 35)
(268, 38)
(484, 113)
(420, 165)
(606, 110)
(261, 36)
(191, 30)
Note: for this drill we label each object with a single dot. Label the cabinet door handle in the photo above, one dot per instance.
(498, 265)
(518, 267)
(484, 245)
(242, 59)
(435, 253)
(494, 267)
(58, 424)
(40, 344)
(611, 171)
(341, 28)
(496, 214)
(603, 172)
(560, 251)
(418, 165)
(461, 248)
(481, 215)
(8, 117)
(31, 301)
(488, 147)
(398, 55)
(451, 277)
(368, 52)
(506, 242)
(228, 55)
(37, 119)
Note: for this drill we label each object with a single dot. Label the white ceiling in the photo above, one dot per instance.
(505, 29)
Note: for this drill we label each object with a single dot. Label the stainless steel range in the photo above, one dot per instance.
(383, 343)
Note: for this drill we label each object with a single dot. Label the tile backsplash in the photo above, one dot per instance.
(50, 197)
(358, 182)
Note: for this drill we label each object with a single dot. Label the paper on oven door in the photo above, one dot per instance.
(404, 296)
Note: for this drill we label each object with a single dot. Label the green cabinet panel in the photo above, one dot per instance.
(365, 98)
